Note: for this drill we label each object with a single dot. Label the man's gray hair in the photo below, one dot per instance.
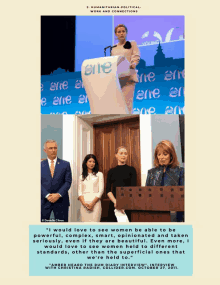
(49, 141)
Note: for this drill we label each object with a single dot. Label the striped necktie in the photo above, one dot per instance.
(52, 168)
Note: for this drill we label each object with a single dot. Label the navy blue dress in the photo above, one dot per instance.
(172, 177)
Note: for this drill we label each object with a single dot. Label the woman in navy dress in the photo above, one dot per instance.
(166, 171)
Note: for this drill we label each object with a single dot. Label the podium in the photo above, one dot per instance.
(151, 203)
(101, 81)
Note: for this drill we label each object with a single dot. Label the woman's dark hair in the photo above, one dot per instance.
(85, 169)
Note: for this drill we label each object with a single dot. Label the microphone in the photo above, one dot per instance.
(107, 47)
(164, 169)
(111, 47)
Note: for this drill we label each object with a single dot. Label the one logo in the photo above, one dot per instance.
(78, 84)
(173, 75)
(54, 86)
(83, 99)
(150, 110)
(98, 68)
(62, 100)
(146, 77)
(148, 94)
(175, 110)
(176, 92)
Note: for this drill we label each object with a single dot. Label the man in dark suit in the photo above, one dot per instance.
(56, 179)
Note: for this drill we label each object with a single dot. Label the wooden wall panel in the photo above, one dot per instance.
(107, 138)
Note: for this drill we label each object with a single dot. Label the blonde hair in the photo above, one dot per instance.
(121, 25)
(118, 148)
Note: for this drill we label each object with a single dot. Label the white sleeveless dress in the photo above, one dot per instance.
(91, 187)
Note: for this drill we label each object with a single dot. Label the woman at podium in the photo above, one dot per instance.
(130, 50)
(121, 175)
(166, 171)
(90, 190)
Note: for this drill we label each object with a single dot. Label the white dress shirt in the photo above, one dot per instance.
(49, 162)
(54, 160)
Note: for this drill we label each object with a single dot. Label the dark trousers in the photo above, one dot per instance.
(60, 213)
(180, 216)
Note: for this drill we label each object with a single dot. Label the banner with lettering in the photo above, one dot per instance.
(160, 90)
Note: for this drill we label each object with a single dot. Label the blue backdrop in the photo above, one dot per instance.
(160, 89)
